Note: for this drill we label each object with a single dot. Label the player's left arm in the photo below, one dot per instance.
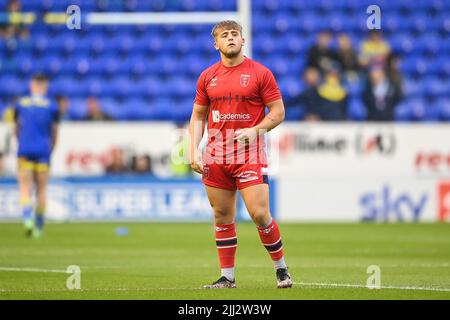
(271, 97)
(273, 118)
(16, 122)
(270, 121)
(55, 129)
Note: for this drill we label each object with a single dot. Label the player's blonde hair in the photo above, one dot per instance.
(226, 25)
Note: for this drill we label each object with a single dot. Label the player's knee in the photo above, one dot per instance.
(223, 216)
(220, 212)
(260, 215)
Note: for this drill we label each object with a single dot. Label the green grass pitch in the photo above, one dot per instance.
(172, 261)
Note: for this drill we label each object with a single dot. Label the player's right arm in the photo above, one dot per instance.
(197, 123)
(54, 135)
(16, 120)
(196, 129)
(56, 116)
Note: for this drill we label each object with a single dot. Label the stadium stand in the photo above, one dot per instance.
(147, 72)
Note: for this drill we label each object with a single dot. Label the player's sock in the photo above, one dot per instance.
(227, 273)
(27, 215)
(39, 220)
(271, 239)
(280, 264)
(226, 242)
(27, 210)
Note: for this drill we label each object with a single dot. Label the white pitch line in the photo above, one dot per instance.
(347, 285)
(95, 290)
(54, 270)
(297, 284)
(30, 270)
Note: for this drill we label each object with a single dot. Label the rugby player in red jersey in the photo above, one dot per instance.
(232, 96)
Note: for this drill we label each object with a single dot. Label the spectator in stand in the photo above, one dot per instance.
(63, 106)
(9, 36)
(117, 163)
(320, 56)
(14, 6)
(380, 96)
(393, 73)
(13, 29)
(311, 78)
(332, 101)
(308, 98)
(24, 39)
(95, 113)
(141, 164)
(374, 50)
(2, 164)
(347, 57)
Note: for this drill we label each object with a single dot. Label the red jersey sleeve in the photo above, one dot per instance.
(269, 90)
(201, 96)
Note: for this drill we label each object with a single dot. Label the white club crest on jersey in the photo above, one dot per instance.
(213, 82)
(245, 80)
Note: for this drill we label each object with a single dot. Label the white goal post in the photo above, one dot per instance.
(242, 15)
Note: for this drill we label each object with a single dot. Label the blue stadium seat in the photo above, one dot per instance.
(115, 109)
(97, 87)
(136, 6)
(337, 21)
(413, 65)
(180, 110)
(436, 87)
(356, 110)
(77, 109)
(444, 65)
(121, 86)
(259, 23)
(195, 66)
(421, 110)
(292, 44)
(12, 86)
(185, 87)
(150, 86)
(159, 109)
(312, 23)
(443, 105)
(354, 88)
(413, 88)
(264, 44)
(136, 109)
(30, 5)
(404, 43)
(403, 113)
(139, 66)
(294, 113)
(290, 87)
(24, 64)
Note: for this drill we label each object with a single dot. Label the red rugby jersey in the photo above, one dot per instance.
(237, 97)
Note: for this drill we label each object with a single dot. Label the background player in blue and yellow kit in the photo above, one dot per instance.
(36, 119)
